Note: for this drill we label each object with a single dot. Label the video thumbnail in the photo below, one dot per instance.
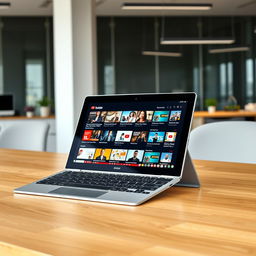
(139, 136)
(113, 116)
(161, 116)
(129, 116)
(151, 157)
(175, 115)
(123, 136)
(91, 135)
(108, 135)
(118, 154)
(95, 117)
(170, 136)
(166, 157)
(103, 115)
(156, 137)
(85, 153)
(144, 116)
(135, 156)
(102, 154)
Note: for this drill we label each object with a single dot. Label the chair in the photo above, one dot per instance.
(230, 141)
(25, 135)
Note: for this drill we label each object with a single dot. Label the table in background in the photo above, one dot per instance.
(217, 219)
(200, 116)
(4, 118)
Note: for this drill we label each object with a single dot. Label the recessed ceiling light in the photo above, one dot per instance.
(5, 5)
(191, 41)
(166, 6)
(230, 49)
(164, 54)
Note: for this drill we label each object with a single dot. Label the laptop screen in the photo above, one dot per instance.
(137, 136)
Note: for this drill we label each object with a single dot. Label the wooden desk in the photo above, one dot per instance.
(200, 116)
(218, 219)
(25, 118)
(224, 114)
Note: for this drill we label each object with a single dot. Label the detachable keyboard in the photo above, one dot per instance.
(113, 182)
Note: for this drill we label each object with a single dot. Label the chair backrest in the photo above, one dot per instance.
(25, 135)
(230, 141)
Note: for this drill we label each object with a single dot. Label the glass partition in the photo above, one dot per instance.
(212, 75)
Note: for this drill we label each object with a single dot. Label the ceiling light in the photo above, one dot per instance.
(191, 41)
(5, 5)
(164, 6)
(231, 49)
(164, 54)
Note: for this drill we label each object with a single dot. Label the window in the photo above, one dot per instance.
(249, 80)
(34, 81)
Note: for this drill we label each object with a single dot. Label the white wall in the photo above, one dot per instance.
(75, 63)
(84, 51)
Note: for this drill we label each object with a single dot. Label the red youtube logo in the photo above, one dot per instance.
(127, 136)
(170, 136)
(92, 107)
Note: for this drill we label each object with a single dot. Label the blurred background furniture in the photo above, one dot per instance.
(51, 136)
(232, 141)
(25, 135)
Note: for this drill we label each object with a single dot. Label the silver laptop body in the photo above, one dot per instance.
(118, 160)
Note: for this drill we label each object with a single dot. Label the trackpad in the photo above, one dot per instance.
(77, 192)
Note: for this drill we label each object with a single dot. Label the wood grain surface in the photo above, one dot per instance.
(225, 114)
(217, 219)
(25, 118)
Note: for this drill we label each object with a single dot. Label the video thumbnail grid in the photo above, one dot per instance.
(101, 128)
(129, 156)
(134, 116)
(128, 136)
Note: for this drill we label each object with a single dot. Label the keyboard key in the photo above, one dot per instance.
(114, 182)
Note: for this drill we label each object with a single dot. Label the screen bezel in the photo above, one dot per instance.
(189, 97)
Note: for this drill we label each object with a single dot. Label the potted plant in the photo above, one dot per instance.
(29, 111)
(211, 105)
(44, 104)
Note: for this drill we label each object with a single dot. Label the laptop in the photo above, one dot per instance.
(126, 149)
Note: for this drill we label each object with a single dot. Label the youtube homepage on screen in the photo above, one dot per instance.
(140, 135)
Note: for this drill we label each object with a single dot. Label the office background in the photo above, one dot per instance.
(67, 49)
(122, 66)
(27, 51)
